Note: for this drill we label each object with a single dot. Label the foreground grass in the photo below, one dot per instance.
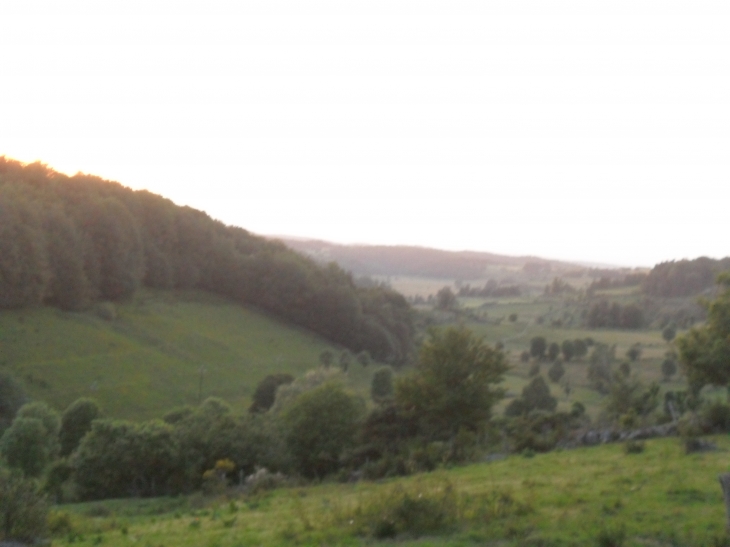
(589, 496)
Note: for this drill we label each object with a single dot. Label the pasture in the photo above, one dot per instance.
(587, 496)
(163, 350)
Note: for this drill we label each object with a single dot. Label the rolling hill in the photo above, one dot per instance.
(154, 354)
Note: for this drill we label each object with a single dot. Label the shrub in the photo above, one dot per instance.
(716, 417)
(263, 480)
(265, 394)
(634, 447)
(320, 426)
(23, 511)
(25, 446)
(416, 509)
(215, 480)
(556, 372)
(76, 422)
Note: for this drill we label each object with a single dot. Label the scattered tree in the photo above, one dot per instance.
(568, 350)
(445, 299)
(705, 351)
(553, 351)
(669, 368)
(538, 346)
(668, 333)
(535, 396)
(453, 384)
(556, 372)
(599, 366)
(634, 352)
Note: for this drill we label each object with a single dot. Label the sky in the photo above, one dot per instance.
(584, 131)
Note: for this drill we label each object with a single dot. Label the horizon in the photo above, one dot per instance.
(586, 134)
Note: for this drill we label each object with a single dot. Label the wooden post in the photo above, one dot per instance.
(725, 484)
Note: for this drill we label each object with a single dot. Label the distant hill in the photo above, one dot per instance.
(420, 261)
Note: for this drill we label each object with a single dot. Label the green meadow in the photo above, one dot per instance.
(163, 350)
(588, 496)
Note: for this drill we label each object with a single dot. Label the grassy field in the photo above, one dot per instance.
(535, 316)
(153, 356)
(166, 349)
(589, 496)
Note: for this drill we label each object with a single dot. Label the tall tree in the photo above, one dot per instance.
(704, 351)
(453, 385)
(76, 422)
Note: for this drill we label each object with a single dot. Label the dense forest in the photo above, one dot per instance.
(71, 241)
(684, 277)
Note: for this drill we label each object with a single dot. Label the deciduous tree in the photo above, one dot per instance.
(453, 385)
(704, 351)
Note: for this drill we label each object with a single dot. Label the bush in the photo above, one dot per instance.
(23, 511)
(416, 509)
(320, 426)
(263, 480)
(716, 417)
(265, 394)
(76, 422)
(634, 447)
(25, 446)
(556, 372)
(118, 459)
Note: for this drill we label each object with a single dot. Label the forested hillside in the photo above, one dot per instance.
(418, 261)
(71, 241)
(684, 277)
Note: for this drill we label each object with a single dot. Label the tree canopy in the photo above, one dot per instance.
(71, 241)
(453, 385)
(684, 277)
(704, 351)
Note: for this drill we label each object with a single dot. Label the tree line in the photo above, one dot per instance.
(684, 277)
(71, 241)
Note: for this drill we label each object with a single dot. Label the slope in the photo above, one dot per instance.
(163, 349)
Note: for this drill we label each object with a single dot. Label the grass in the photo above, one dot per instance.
(587, 496)
(167, 349)
(153, 356)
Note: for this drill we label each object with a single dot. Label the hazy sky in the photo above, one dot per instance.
(594, 131)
